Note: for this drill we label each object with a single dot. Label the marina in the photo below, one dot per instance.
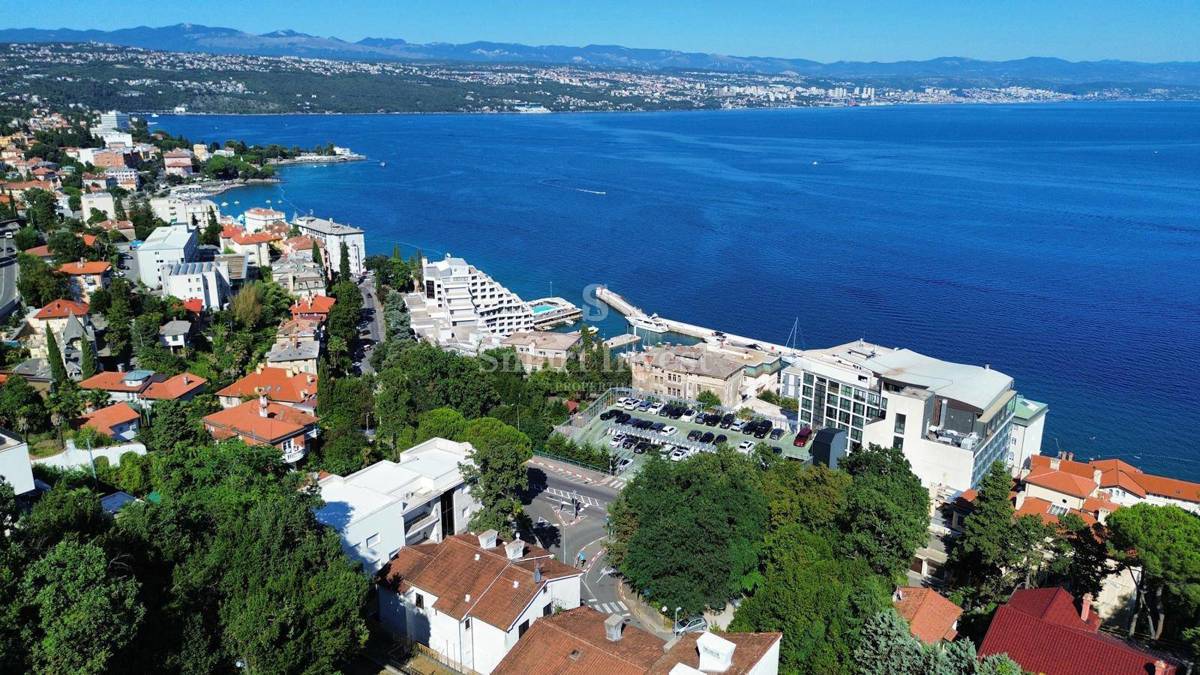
(551, 312)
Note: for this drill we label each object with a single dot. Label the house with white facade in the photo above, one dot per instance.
(463, 309)
(103, 202)
(951, 420)
(543, 349)
(389, 505)
(471, 597)
(176, 210)
(166, 246)
(15, 467)
(333, 235)
(205, 281)
(257, 219)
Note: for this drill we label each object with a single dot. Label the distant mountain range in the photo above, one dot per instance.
(1034, 71)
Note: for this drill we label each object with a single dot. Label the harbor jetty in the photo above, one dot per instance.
(638, 318)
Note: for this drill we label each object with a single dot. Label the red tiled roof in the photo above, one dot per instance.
(111, 380)
(276, 383)
(472, 581)
(78, 268)
(104, 419)
(1063, 482)
(574, 643)
(61, 309)
(1035, 506)
(194, 305)
(1120, 474)
(175, 387)
(246, 420)
(1041, 630)
(42, 251)
(930, 616)
(245, 238)
(317, 304)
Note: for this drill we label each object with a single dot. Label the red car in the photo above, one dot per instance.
(802, 437)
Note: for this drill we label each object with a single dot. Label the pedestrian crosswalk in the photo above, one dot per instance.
(617, 607)
(566, 496)
(613, 481)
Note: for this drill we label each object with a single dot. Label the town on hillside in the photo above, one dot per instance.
(242, 442)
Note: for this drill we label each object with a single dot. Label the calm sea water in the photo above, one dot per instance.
(1060, 244)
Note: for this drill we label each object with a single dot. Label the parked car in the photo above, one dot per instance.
(776, 449)
(707, 437)
(694, 624)
(745, 447)
(776, 434)
(738, 425)
(668, 430)
(623, 464)
(677, 455)
(727, 421)
(762, 429)
(721, 438)
(617, 440)
(641, 448)
(628, 444)
(688, 415)
(802, 437)
(694, 434)
(711, 419)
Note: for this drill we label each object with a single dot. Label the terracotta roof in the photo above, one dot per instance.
(246, 420)
(175, 387)
(88, 239)
(1038, 463)
(260, 211)
(317, 304)
(750, 649)
(1035, 506)
(61, 309)
(1063, 482)
(930, 616)
(77, 268)
(112, 380)
(194, 305)
(104, 419)
(574, 643)
(472, 581)
(1041, 630)
(255, 237)
(115, 225)
(1120, 474)
(1170, 487)
(276, 383)
(42, 251)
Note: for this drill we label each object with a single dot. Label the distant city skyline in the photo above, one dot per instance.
(852, 30)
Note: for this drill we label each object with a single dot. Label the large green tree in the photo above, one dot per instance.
(886, 517)
(694, 530)
(1165, 542)
(495, 471)
(887, 647)
(86, 610)
(58, 368)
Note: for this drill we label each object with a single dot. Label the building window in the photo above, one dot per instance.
(373, 541)
(547, 609)
(898, 442)
(420, 600)
(467, 623)
(522, 628)
(900, 420)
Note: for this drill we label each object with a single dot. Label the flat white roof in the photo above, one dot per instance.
(426, 469)
(973, 385)
(169, 237)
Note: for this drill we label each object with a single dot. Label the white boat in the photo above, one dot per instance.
(383, 164)
(650, 323)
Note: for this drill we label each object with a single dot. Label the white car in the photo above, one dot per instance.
(630, 404)
(678, 455)
(617, 440)
(655, 407)
(668, 431)
(688, 415)
(737, 426)
(745, 447)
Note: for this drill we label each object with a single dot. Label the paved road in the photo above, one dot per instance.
(566, 532)
(374, 326)
(8, 275)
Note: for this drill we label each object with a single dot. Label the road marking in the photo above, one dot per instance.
(622, 606)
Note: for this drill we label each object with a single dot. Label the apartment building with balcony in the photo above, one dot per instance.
(951, 420)
(389, 505)
(466, 297)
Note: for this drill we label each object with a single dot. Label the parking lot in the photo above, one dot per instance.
(599, 433)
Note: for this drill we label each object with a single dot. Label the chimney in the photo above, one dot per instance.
(1055, 462)
(467, 597)
(1160, 667)
(613, 626)
(262, 405)
(898, 595)
(716, 653)
(514, 549)
(186, 379)
(537, 573)
(1085, 609)
(1096, 474)
(1020, 499)
(516, 584)
(488, 539)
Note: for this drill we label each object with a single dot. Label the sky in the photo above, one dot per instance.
(860, 30)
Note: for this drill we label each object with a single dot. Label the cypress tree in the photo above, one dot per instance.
(344, 263)
(89, 360)
(316, 254)
(58, 370)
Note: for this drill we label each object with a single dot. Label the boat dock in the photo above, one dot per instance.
(554, 311)
(635, 315)
(621, 341)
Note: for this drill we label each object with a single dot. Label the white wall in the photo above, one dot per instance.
(15, 467)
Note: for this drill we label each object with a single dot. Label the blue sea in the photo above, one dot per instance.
(1058, 243)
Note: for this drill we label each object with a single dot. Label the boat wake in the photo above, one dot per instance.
(549, 182)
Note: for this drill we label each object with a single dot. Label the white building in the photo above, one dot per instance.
(538, 349)
(389, 505)
(951, 420)
(257, 219)
(686, 371)
(471, 597)
(15, 467)
(206, 281)
(334, 235)
(460, 297)
(101, 201)
(117, 139)
(166, 246)
(1029, 421)
(114, 120)
(184, 211)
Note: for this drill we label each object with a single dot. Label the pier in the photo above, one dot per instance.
(622, 341)
(631, 311)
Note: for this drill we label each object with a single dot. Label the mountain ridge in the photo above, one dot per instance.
(957, 70)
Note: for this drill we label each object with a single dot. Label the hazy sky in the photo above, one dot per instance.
(1143, 30)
